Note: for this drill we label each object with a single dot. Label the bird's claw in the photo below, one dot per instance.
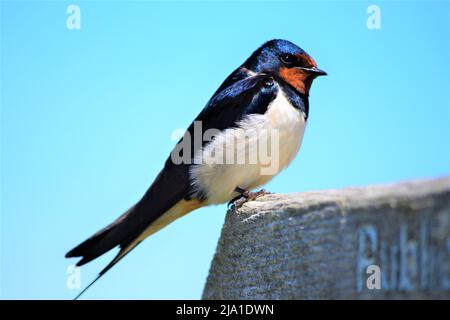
(246, 196)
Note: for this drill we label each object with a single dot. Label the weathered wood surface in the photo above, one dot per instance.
(319, 245)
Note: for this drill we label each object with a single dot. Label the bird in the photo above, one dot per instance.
(268, 93)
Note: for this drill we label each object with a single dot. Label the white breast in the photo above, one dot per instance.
(218, 179)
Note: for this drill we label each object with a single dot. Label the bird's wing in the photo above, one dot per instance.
(172, 185)
(249, 95)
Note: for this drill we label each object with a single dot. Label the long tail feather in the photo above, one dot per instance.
(122, 253)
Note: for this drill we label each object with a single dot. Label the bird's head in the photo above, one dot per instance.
(287, 61)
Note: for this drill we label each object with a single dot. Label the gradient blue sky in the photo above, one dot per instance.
(86, 119)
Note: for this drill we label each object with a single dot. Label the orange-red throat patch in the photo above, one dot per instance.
(297, 78)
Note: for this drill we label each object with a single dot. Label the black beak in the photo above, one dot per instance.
(314, 71)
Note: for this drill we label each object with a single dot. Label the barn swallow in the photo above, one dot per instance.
(268, 91)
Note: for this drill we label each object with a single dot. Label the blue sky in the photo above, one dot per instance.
(87, 115)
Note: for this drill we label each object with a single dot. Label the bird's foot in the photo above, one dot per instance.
(246, 196)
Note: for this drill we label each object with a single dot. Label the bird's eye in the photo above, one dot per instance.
(288, 59)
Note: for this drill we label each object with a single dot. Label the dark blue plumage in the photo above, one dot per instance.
(267, 57)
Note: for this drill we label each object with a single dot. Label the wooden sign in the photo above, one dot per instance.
(378, 242)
